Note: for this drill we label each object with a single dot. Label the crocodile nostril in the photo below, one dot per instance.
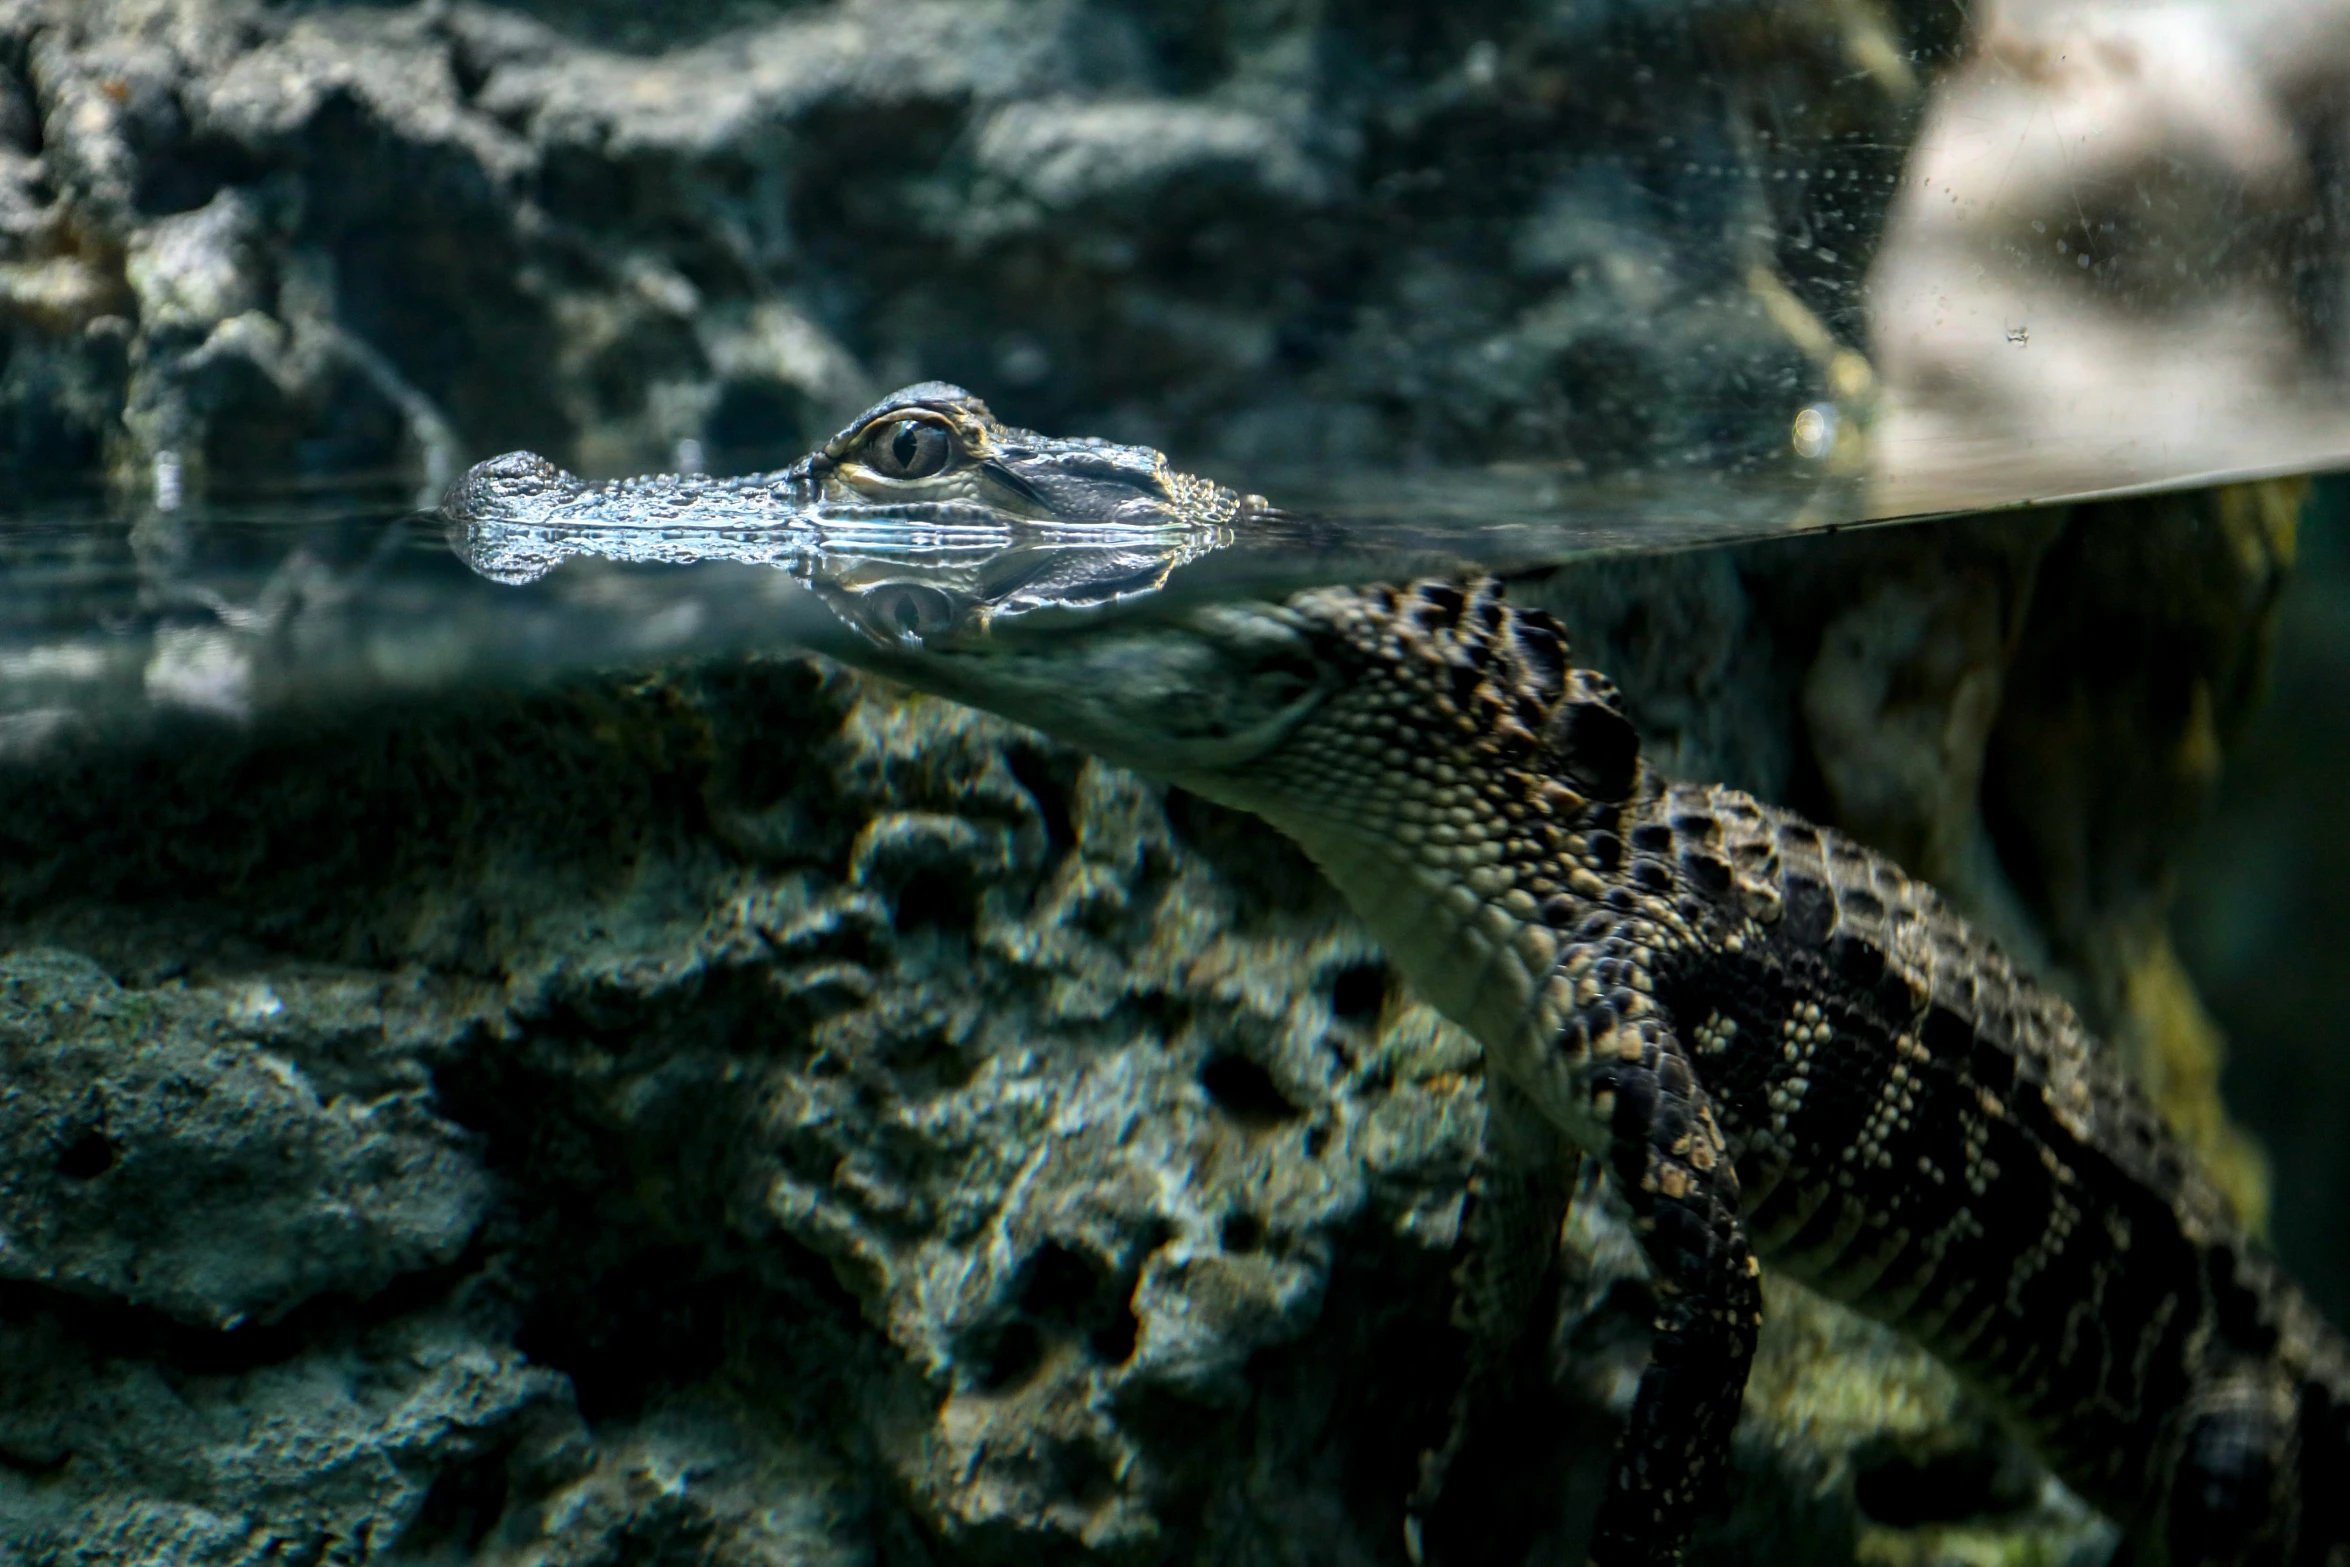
(513, 473)
(490, 490)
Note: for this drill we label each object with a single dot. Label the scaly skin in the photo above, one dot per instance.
(1779, 1046)
(1782, 1046)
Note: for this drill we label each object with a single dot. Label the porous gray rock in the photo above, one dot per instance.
(117, 1449)
(216, 1154)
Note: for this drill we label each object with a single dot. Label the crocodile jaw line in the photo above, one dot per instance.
(1452, 939)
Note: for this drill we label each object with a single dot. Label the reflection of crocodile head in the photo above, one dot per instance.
(925, 513)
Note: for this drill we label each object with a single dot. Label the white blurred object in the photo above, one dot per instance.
(2113, 261)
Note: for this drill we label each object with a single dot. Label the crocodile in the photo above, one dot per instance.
(1780, 1047)
(897, 540)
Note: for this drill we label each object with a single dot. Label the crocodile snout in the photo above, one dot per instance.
(509, 488)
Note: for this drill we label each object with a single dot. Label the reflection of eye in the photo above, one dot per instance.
(908, 449)
(906, 610)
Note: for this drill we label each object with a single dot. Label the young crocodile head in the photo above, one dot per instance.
(925, 512)
(1429, 747)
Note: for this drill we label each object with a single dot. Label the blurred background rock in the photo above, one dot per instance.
(307, 239)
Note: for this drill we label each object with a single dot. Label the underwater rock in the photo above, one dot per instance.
(129, 1441)
(171, 1149)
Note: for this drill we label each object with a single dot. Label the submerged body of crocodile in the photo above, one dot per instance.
(1778, 1044)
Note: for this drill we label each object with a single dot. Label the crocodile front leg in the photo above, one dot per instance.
(1668, 1157)
(1665, 1152)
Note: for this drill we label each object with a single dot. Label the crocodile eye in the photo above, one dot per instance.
(909, 449)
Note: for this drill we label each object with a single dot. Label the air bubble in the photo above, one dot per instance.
(1815, 432)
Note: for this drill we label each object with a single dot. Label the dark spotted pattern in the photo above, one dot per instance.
(1782, 1046)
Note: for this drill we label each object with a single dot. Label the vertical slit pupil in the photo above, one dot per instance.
(908, 449)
